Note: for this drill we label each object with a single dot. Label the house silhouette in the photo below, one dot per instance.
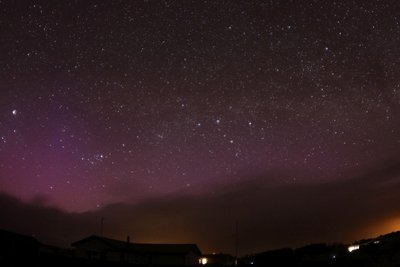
(98, 248)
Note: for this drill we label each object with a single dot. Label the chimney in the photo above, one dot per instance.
(128, 239)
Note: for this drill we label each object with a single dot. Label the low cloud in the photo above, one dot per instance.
(269, 216)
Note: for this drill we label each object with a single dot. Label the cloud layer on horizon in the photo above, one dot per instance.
(269, 216)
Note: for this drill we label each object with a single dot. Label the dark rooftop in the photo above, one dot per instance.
(142, 247)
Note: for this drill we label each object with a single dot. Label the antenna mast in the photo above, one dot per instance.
(101, 226)
(236, 242)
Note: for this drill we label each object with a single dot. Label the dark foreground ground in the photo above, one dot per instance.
(383, 251)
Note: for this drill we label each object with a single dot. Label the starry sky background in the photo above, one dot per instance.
(191, 115)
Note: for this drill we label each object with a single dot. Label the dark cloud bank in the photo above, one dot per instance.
(269, 216)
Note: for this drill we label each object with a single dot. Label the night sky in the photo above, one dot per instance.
(175, 119)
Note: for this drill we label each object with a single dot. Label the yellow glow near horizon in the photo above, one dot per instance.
(384, 227)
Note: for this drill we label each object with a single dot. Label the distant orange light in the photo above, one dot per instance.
(384, 226)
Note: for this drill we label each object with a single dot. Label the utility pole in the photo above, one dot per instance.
(101, 226)
(236, 242)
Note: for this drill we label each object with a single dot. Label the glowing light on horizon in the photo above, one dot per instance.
(353, 248)
(203, 261)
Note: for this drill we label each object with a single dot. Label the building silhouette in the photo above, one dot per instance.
(115, 251)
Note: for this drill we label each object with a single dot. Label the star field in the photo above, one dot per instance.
(125, 101)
